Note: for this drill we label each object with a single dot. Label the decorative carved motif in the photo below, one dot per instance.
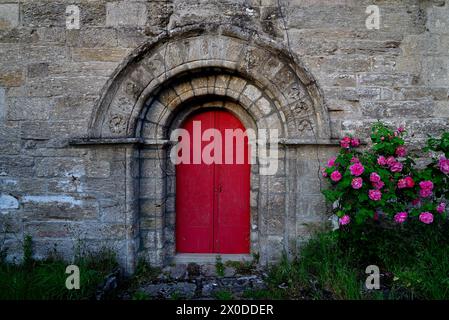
(117, 124)
(132, 89)
(304, 125)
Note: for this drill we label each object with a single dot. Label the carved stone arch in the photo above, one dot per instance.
(291, 88)
(258, 110)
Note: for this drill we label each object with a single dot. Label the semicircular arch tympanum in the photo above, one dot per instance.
(159, 77)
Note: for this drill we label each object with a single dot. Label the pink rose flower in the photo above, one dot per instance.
(381, 161)
(426, 188)
(355, 142)
(331, 162)
(402, 183)
(356, 169)
(323, 172)
(401, 151)
(426, 185)
(424, 193)
(336, 176)
(345, 142)
(375, 194)
(400, 217)
(401, 129)
(441, 207)
(390, 161)
(443, 164)
(410, 182)
(378, 185)
(426, 217)
(357, 183)
(374, 177)
(344, 220)
(396, 167)
(355, 160)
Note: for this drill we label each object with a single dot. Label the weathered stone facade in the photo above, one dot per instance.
(85, 114)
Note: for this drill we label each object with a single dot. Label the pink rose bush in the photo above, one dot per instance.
(381, 182)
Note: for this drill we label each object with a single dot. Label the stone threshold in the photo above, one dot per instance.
(201, 258)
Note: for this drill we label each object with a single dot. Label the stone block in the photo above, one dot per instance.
(11, 78)
(438, 20)
(92, 38)
(43, 14)
(37, 70)
(99, 54)
(401, 109)
(73, 107)
(60, 167)
(126, 13)
(57, 86)
(15, 166)
(385, 79)
(9, 16)
(58, 207)
(435, 71)
(98, 169)
(353, 94)
(26, 108)
(2, 104)
(8, 202)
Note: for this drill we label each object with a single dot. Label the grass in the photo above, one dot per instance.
(413, 262)
(223, 295)
(140, 295)
(241, 267)
(219, 266)
(45, 280)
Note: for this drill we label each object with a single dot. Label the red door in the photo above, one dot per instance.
(212, 199)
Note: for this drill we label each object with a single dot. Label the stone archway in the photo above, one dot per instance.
(292, 89)
(162, 82)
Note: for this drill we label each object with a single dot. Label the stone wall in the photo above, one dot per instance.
(52, 80)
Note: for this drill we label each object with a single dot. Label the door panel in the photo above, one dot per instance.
(195, 198)
(212, 200)
(232, 181)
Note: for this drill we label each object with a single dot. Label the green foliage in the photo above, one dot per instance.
(242, 267)
(45, 280)
(27, 251)
(439, 144)
(219, 266)
(413, 261)
(223, 295)
(140, 295)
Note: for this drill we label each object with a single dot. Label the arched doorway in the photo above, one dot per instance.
(213, 185)
(160, 84)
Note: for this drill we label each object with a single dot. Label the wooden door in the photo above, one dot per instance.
(212, 199)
